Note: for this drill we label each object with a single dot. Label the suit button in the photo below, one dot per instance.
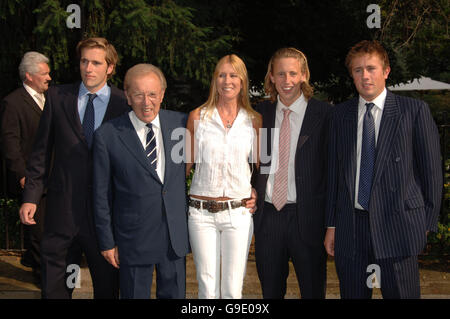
(397, 159)
(164, 192)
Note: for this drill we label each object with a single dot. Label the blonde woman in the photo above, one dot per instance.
(223, 141)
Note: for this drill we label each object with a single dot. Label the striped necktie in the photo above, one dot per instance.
(89, 119)
(280, 184)
(367, 158)
(150, 146)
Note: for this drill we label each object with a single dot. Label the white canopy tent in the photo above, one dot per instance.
(422, 83)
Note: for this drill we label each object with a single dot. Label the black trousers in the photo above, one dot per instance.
(60, 251)
(33, 236)
(399, 276)
(277, 241)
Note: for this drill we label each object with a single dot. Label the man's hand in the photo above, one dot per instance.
(112, 256)
(26, 212)
(251, 202)
(329, 241)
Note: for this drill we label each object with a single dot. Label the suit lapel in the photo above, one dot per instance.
(29, 99)
(388, 130)
(70, 106)
(166, 129)
(310, 121)
(130, 139)
(111, 109)
(349, 133)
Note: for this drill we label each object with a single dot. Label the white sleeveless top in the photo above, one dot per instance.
(222, 157)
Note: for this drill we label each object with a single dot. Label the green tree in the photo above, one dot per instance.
(159, 32)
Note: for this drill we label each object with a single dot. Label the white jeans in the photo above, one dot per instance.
(220, 242)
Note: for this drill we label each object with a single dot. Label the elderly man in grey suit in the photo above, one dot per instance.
(385, 182)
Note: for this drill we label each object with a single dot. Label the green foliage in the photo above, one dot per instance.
(416, 33)
(9, 220)
(159, 32)
(439, 242)
(189, 180)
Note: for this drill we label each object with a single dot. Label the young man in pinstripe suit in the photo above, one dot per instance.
(385, 182)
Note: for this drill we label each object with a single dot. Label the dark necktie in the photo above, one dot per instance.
(89, 119)
(150, 146)
(367, 158)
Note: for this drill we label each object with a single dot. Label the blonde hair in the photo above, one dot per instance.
(243, 99)
(270, 88)
(112, 58)
(140, 70)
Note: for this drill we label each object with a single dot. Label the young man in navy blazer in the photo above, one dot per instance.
(385, 182)
(61, 162)
(140, 191)
(294, 230)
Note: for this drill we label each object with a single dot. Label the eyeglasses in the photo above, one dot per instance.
(141, 96)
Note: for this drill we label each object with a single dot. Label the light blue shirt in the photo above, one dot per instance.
(100, 103)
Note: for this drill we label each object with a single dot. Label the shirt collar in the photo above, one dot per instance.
(102, 94)
(139, 124)
(378, 101)
(30, 90)
(295, 107)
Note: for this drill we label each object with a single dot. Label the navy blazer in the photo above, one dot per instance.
(407, 184)
(310, 168)
(68, 179)
(129, 197)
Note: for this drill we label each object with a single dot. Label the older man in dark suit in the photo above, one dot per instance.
(385, 182)
(291, 183)
(20, 114)
(71, 114)
(140, 191)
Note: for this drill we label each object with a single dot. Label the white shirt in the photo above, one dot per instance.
(222, 156)
(142, 130)
(377, 112)
(296, 117)
(39, 98)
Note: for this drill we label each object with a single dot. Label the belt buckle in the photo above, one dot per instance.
(214, 207)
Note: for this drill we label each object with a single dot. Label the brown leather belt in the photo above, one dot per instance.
(214, 207)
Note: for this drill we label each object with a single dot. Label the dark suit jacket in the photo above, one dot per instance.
(130, 215)
(19, 122)
(69, 182)
(310, 168)
(407, 183)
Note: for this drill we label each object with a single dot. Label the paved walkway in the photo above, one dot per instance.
(16, 281)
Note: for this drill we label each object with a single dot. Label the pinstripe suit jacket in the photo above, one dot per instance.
(310, 168)
(407, 183)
